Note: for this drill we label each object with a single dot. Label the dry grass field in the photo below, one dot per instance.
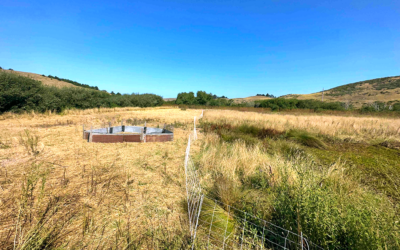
(45, 80)
(105, 194)
(60, 192)
(356, 128)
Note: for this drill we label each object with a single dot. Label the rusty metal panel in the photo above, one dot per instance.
(131, 138)
(107, 138)
(158, 138)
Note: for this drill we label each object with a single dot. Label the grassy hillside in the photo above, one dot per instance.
(381, 89)
(251, 99)
(44, 79)
(50, 80)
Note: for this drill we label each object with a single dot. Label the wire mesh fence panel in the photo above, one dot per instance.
(193, 192)
(216, 225)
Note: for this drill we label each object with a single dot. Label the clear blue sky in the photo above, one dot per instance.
(232, 48)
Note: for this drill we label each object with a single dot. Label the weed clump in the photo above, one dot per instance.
(30, 142)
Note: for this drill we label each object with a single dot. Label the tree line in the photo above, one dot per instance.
(266, 95)
(18, 94)
(276, 104)
(73, 82)
(202, 98)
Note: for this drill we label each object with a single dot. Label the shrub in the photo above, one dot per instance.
(282, 103)
(30, 142)
(335, 214)
(18, 93)
(305, 138)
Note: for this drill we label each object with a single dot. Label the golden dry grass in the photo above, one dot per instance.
(131, 185)
(357, 128)
(45, 80)
(251, 99)
(116, 193)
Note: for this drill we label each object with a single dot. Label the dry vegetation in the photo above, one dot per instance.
(355, 128)
(59, 191)
(45, 80)
(365, 93)
(98, 195)
(250, 99)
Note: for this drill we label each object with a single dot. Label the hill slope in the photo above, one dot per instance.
(44, 79)
(250, 99)
(381, 89)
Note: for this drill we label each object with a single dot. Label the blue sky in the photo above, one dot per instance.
(231, 48)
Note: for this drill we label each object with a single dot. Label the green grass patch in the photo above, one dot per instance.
(375, 166)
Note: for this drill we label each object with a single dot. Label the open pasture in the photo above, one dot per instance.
(59, 191)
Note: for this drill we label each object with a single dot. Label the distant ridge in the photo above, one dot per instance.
(386, 89)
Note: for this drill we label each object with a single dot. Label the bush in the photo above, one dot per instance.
(305, 138)
(282, 103)
(18, 93)
(202, 98)
(334, 214)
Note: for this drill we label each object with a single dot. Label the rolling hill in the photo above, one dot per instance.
(385, 89)
(44, 79)
(51, 80)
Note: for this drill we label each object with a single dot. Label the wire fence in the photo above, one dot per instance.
(216, 225)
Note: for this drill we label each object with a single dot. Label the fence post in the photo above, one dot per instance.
(226, 227)
(91, 134)
(245, 215)
(194, 129)
(197, 221)
(262, 238)
(109, 128)
(301, 238)
(187, 189)
(212, 219)
(83, 131)
(144, 132)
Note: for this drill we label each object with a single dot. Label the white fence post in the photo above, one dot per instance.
(197, 221)
(194, 129)
(91, 134)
